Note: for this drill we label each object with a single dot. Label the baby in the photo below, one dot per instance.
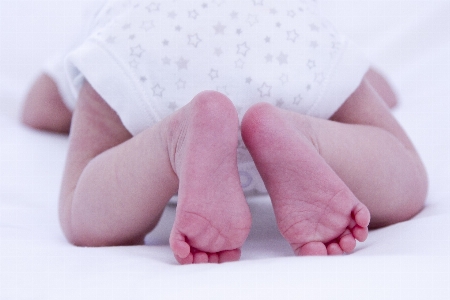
(215, 100)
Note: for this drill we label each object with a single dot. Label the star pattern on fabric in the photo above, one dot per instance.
(181, 84)
(153, 7)
(173, 106)
(311, 64)
(218, 2)
(239, 64)
(193, 14)
(319, 78)
(292, 35)
(134, 63)
(147, 25)
(284, 79)
(182, 63)
(158, 90)
(264, 90)
(111, 39)
(137, 51)
(280, 102)
(223, 89)
(265, 49)
(243, 49)
(218, 51)
(219, 28)
(194, 40)
(172, 15)
(282, 58)
(297, 100)
(291, 14)
(314, 27)
(234, 15)
(213, 74)
(252, 20)
(166, 60)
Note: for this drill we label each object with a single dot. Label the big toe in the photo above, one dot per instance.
(311, 248)
(362, 215)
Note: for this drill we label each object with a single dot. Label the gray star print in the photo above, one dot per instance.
(158, 90)
(194, 40)
(282, 58)
(219, 28)
(182, 63)
(243, 49)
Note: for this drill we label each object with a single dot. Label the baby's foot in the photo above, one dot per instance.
(212, 219)
(315, 210)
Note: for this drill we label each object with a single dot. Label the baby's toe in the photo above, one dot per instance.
(186, 260)
(312, 248)
(362, 215)
(334, 249)
(229, 255)
(360, 233)
(200, 258)
(347, 242)
(214, 258)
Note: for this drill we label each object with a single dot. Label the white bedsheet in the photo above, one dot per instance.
(409, 40)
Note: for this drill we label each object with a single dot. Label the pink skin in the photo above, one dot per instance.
(116, 186)
(44, 109)
(212, 219)
(323, 176)
(316, 212)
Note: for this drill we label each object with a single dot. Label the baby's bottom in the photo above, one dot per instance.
(320, 174)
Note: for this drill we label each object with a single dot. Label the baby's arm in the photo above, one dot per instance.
(44, 109)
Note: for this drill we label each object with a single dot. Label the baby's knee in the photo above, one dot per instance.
(44, 109)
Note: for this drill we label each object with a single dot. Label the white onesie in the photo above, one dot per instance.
(148, 58)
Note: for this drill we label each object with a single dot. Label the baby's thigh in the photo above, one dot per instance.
(115, 186)
(95, 129)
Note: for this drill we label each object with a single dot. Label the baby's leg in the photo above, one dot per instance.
(116, 186)
(44, 109)
(322, 174)
(382, 87)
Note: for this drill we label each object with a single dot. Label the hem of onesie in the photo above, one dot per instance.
(339, 86)
(116, 86)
